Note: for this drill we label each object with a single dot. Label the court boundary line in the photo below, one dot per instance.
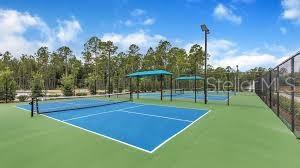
(22, 108)
(130, 145)
(110, 111)
(173, 136)
(191, 108)
(157, 116)
(93, 132)
(84, 129)
(184, 98)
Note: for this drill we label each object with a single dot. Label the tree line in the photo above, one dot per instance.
(99, 62)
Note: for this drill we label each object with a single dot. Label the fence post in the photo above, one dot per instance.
(228, 90)
(270, 89)
(293, 95)
(277, 85)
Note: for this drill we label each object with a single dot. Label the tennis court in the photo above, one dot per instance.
(142, 126)
(188, 95)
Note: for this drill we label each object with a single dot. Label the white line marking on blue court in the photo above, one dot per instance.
(150, 115)
(151, 104)
(90, 115)
(23, 108)
(160, 145)
(98, 134)
(124, 110)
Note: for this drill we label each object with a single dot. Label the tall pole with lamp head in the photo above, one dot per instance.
(237, 79)
(206, 31)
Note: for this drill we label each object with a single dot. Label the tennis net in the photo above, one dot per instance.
(175, 92)
(57, 104)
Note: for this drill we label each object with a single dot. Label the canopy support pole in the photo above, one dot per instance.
(138, 88)
(130, 89)
(161, 89)
(171, 85)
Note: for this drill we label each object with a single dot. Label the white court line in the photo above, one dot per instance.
(90, 115)
(133, 146)
(151, 104)
(113, 139)
(150, 115)
(22, 108)
(160, 145)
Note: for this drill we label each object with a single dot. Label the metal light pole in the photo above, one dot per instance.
(206, 31)
(109, 89)
(237, 78)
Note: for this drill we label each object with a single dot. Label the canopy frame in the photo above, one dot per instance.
(194, 78)
(142, 74)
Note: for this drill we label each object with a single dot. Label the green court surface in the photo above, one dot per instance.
(246, 134)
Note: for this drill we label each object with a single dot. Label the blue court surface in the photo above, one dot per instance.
(186, 96)
(142, 126)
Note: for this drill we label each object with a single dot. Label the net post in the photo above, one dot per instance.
(171, 85)
(277, 81)
(37, 105)
(293, 96)
(32, 107)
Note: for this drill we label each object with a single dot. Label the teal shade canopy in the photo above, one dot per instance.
(141, 74)
(189, 78)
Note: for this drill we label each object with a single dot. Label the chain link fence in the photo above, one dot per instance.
(280, 90)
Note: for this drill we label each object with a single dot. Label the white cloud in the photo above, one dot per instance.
(13, 27)
(226, 53)
(291, 10)
(283, 30)
(280, 49)
(140, 38)
(247, 61)
(137, 12)
(68, 30)
(222, 12)
(24, 33)
(217, 47)
(149, 21)
(138, 18)
(128, 23)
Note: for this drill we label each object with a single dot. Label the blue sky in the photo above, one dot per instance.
(245, 32)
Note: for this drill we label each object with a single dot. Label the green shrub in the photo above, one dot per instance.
(285, 103)
(68, 85)
(8, 86)
(37, 85)
(81, 94)
(54, 95)
(91, 83)
(22, 98)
